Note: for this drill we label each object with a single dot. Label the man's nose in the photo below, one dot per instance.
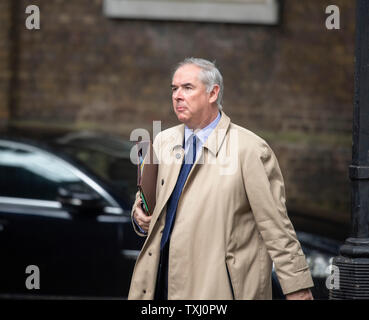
(177, 95)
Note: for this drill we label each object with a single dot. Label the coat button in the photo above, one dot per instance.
(144, 291)
(162, 181)
(150, 254)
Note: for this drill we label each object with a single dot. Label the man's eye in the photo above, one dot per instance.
(188, 88)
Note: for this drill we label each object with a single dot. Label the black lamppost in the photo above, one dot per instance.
(352, 266)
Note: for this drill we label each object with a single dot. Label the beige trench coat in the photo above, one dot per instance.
(231, 222)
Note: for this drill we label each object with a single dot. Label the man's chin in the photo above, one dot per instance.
(181, 117)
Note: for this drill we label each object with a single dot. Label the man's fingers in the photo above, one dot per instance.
(139, 212)
(141, 217)
(146, 219)
(144, 225)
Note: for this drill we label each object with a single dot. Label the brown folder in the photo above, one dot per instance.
(147, 173)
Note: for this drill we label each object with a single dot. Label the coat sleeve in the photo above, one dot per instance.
(266, 193)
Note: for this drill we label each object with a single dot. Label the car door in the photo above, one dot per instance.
(76, 255)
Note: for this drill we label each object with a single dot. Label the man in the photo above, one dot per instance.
(215, 231)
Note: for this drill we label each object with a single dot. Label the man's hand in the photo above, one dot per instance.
(304, 294)
(142, 219)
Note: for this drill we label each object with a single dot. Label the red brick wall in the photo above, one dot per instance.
(82, 66)
(292, 84)
(5, 72)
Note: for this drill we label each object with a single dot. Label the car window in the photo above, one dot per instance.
(29, 172)
(119, 171)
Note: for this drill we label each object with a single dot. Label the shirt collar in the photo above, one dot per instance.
(203, 133)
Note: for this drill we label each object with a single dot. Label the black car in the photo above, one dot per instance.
(65, 227)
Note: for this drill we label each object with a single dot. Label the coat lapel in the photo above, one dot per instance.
(171, 159)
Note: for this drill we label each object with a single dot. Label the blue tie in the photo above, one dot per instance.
(176, 194)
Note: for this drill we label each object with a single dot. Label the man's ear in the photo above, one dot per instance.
(213, 95)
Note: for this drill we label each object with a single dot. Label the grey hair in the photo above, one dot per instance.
(209, 75)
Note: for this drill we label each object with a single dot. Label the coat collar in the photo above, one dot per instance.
(215, 140)
(178, 137)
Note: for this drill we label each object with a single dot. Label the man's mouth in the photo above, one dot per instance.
(180, 108)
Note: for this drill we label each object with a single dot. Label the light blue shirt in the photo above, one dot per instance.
(202, 135)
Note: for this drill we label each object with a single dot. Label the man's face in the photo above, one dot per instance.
(191, 103)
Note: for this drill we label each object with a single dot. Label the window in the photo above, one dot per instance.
(28, 172)
(232, 11)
